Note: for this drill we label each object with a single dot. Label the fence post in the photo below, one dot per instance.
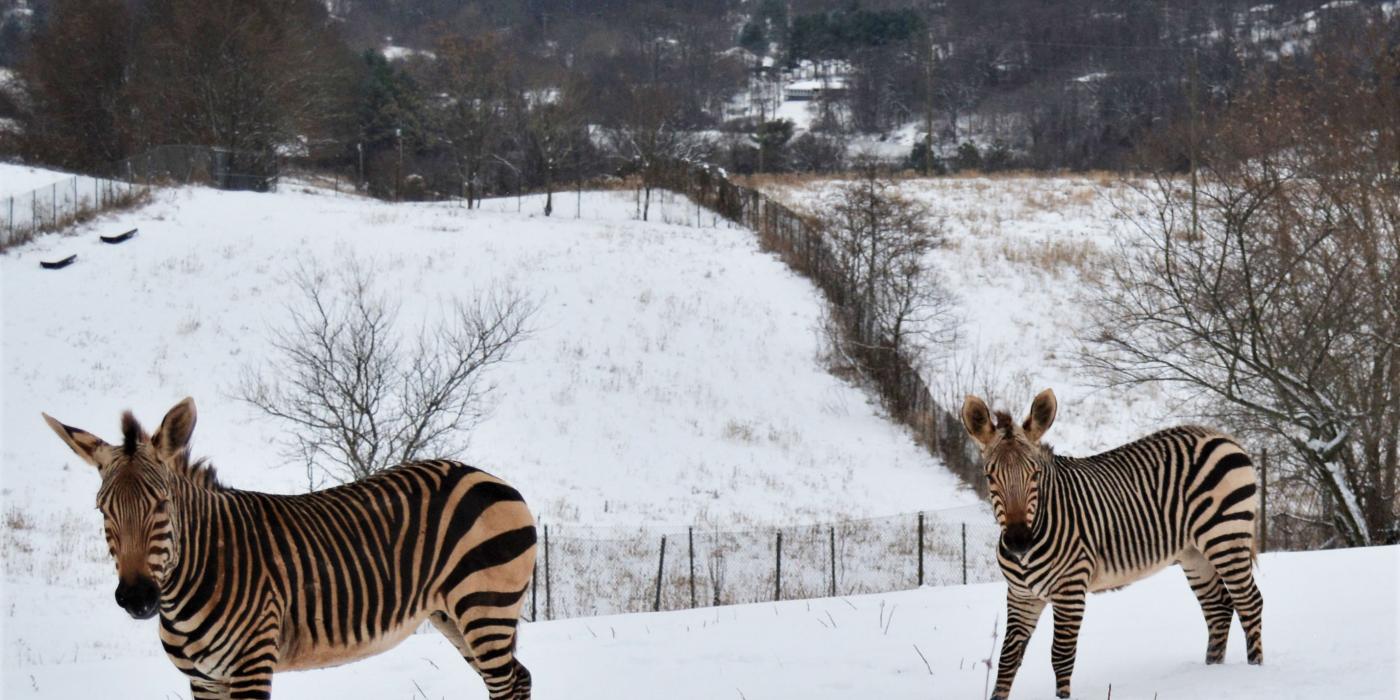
(548, 598)
(964, 553)
(778, 569)
(833, 561)
(921, 549)
(1264, 501)
(690, 537)
(534, 588)
(660, 565)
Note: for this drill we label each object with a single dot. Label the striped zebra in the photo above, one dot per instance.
(248, 583)
(1072, 526)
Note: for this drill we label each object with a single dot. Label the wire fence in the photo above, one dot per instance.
(60, 204)
(580, 573)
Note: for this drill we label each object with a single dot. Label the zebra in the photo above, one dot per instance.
(1071, 526)
(247, 584)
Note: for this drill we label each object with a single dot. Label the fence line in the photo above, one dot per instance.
(586, 575)
(802, 243)
(58, 205)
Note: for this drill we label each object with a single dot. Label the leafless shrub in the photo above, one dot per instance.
(357, 396)
(882, 240)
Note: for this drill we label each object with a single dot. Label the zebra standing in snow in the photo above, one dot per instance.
(1072, 526)
(251, 583)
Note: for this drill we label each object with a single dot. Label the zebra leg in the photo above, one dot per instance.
(1235, 566)
(488, 644)
(1021, 616)
(201, 689)
(1215, 601)
(1069, 613)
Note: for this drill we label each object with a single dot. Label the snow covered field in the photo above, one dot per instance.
(1329, 632)
(1023, 255)
(673, 378)
(16, 178)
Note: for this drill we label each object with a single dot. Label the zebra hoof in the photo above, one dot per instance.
(1214, 660)
(1257, 661)
(1062, 693)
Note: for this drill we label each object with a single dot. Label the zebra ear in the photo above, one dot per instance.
(83, 443)
(175, 429)
(977, 420)
(1041, 416)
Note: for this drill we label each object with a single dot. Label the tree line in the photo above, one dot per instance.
(487, 98)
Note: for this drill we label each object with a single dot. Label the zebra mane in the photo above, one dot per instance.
(199, 472)
(1004, 423)
(132, 433)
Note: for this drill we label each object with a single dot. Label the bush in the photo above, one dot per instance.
(968, 158)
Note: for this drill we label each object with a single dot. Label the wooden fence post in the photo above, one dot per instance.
(921, 549)
(690, 535)
(534, 589)
(660, 568)
(778, 569)
(833, 561)
(548, 597)
(964, 553)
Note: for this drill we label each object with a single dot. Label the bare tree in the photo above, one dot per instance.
(650, 138)
(357, 395)
(883, 240)
(1276, 292)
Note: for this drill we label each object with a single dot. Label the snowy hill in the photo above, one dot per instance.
(1023, 256)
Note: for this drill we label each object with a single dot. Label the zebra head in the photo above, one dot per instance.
(135, 500)
(1013, 460)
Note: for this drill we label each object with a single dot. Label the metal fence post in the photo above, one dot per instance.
(833, 561)
(921, 549)
(964, 553)
(660, 567)
(778, 569)
(548, 599)
(690, 537)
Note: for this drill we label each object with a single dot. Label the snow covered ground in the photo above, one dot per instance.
(673, 378)
(1329, 632)
(1024, 256)
(16, 178)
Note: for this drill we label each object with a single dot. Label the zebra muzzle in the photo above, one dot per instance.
(1016, 538)
(139, 599)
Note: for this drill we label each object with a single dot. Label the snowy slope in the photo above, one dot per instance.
(1024, 255)
(672, 377)
(1329, 632)
(16, 178)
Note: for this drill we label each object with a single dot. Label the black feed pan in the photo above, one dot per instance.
(119, 238)
(58, 264)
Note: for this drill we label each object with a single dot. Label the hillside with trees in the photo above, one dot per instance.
(424, 98)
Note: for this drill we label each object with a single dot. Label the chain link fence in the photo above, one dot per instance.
(583, 572)
(60, 204)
